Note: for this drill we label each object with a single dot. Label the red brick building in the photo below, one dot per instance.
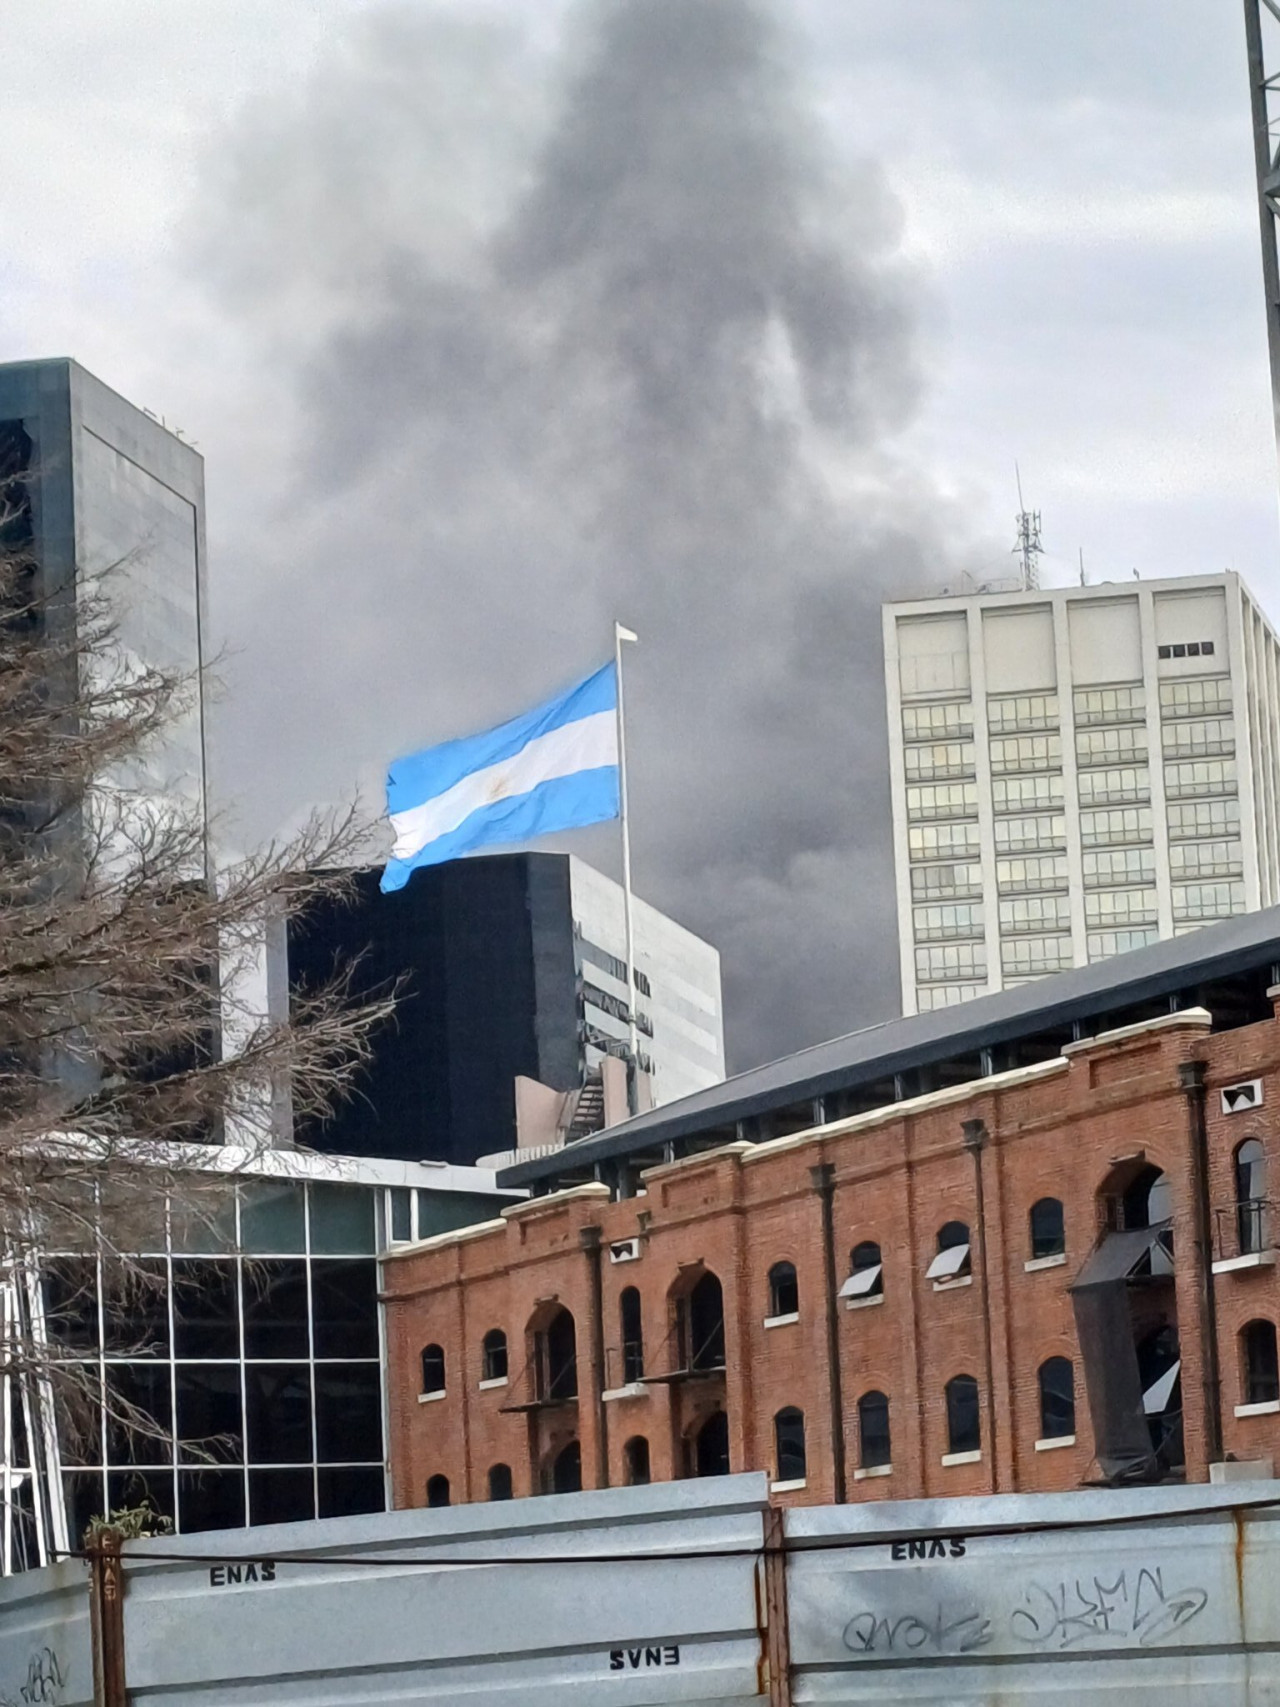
(1053, 1275)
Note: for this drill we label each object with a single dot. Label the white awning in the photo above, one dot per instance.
(949, 1263)
(861, 1282)
(1155, 1401)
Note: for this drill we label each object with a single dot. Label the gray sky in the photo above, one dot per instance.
(724, 317)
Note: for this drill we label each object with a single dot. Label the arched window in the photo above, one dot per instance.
(788, 1440)
(635, 1455)
(632, 1336)
(1251, 1196)
(433, 1369)
(1146, 1200)
(866, 1272)
(784, 1292)
(964, 1432)
(555, 1358)
(711, 1446)
(952, 1260)
(493, 1356)
(873, 1430)
(1048, 1236)
(1261, 1375)
(566, 1472)
(700, 1325)
(500, 1482)
(438, 1490)
(1057, 1398)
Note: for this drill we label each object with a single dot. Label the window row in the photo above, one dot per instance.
(1026, 753)
(1204, 697)
(1187, 777)
(936, 924)
(1207, 900)
(1045, 834)
(1193, 821)
(1035, 954)
(1110, 705)
(1035, 913)
(1187, 649)
(951, 960)
(935, 761)
(937, 722)
(946, 882)
(942, 841)
(1202, 737)
(1102, 945)
(1015, 713)
(1104, 867)
(1027, 793)
(1031, 872)
(1116, 785)
(1205, 859)
(1121, 907)
(942, 800)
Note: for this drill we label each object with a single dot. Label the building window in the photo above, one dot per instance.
(700, 1325)
(1208, 900)
(1026, 753)
(1045, 834)
(1057, 1398)
(632, 1323)
(1035, 954)
(1197, 820)
(555, 1359)
(566, 1470)
(1110, 705)
(1190, 777)
(1261, 1379)
(931, 996)
(1026, 793)
(946, 882)
(1024, 711)
(873, 1431)
(438, 1491)
(1187, 649)
(1207, 696)
(784, 1291)
(942, 841)
(635, 1462)
(937, 722)
(493, 1355)
(1111, 746)
(1105, 907)
(952, 1259)
(935, 924)
(1037, 872)
(952, 960)
(1199, 738)
(1251, 1197)
(1106, 867)
(710, 1455)
(939, 762)
(1048, 1236)
(866, 1272)
(1118, 785)
(1117, 825)
(1103, 944)
(927, 800)
(1035, 913)
(964, 1430)
(433, 1369)
(788, 1436)
(1205, 859)
(500, 1482)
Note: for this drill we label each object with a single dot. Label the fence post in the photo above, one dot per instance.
(777, 1629)
(106, 1613)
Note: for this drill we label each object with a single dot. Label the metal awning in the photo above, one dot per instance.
(949, 1263)
(1118, 1255)
(861, 1282)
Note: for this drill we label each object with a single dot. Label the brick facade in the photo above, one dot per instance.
(1079, 1130)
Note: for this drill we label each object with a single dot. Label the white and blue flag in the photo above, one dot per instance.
(555, 768)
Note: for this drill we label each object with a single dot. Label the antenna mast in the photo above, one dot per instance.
(1028, 549)
(1262, 36)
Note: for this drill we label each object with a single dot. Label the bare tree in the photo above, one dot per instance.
(128, 1042)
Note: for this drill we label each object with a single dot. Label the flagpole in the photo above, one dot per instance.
(619, 635)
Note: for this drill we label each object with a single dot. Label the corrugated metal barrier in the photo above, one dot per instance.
(690, 1592)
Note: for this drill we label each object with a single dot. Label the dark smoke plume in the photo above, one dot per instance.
(611, 335)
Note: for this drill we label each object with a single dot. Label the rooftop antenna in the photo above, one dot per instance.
(1083, 582)
(1028, 548)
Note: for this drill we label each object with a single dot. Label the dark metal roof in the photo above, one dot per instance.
(898, 1045)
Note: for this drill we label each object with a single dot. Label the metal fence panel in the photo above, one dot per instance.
(46, 1654)
(919, 1603)
(258, 1616)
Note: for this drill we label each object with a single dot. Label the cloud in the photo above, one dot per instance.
(581, 328)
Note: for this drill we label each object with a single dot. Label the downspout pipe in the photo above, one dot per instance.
(976, 1139)
(1191, 1078)
(593, 1247)
(823, 1179)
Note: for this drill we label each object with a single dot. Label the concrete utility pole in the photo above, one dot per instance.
(1262, 35)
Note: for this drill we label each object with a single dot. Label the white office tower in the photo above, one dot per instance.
(1076, 772)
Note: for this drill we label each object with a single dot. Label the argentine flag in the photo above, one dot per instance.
(555, 768)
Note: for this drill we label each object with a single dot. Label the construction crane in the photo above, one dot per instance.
(1262, 35)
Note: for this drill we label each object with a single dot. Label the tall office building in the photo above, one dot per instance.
(514, 967)
(93, 484)
(1076, 772)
